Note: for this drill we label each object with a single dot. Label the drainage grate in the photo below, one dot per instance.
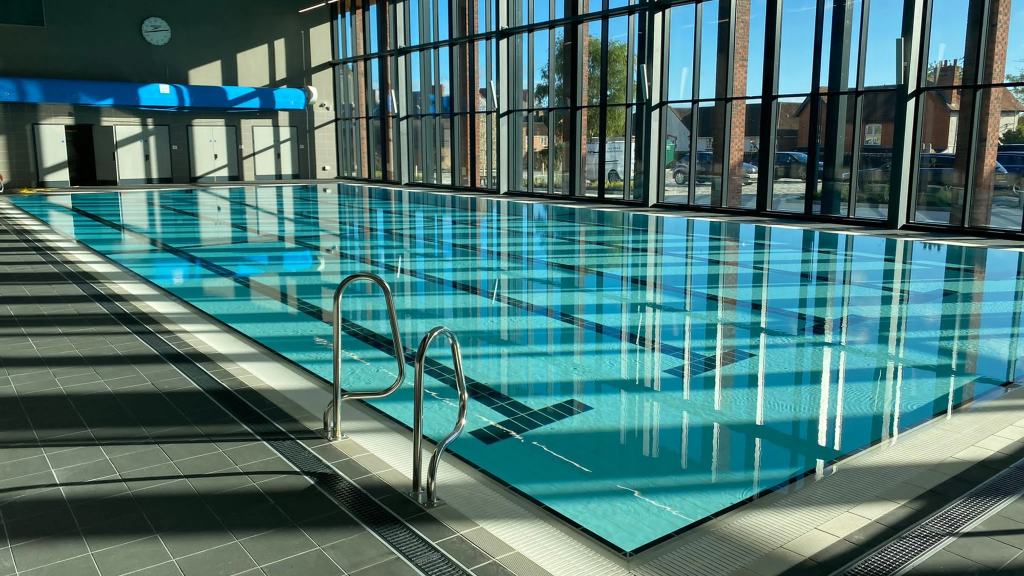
(421, 553)
(899, 554)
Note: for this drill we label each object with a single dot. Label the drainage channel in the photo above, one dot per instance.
(421, 553)
(916, 544)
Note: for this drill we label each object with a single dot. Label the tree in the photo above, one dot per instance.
(552, 91)
(1014, 136)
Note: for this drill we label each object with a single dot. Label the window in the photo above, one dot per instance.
(873, 135)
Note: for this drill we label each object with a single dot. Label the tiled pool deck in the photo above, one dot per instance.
(114, 462)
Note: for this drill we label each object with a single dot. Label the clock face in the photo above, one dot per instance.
(156, 31)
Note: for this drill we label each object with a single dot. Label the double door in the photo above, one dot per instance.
(214, 152)
(275, 152)
(143, 154)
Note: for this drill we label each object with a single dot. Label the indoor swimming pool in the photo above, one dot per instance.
(635, 374)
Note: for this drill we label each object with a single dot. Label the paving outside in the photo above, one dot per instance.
(113, 462)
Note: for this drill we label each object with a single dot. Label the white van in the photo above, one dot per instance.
(614, 159)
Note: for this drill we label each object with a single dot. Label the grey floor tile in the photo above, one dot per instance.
(330, 528)
(312, 562)
(985, 551)
(43, 525)
(250, 453)
(117, 532)
(222, 561)
(277, 545)
(430, 527)
(75, 456)
(48, 550)
(23, 467)
(165, 569)
(204, 464)
(464, 551)
(358, 552)
(102, 510)
(496, 569)
(252, 521)
(131, 556)
(6, 562)
(945, 562)
(393, 567)
(145, 458)
(1002, 529)
(191, 444)
(85, 472)
(81, 566)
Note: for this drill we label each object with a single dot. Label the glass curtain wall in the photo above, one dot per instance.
(787, 106)
(364, 102)
(970, 146)
(711, 110)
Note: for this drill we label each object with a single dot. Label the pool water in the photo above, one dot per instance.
(635, 374)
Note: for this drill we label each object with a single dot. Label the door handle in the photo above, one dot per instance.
(214, 156)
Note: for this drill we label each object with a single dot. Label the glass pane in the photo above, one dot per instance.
(562, 153)
(415, 134)
(755, 47)
(445, 129)
(885, 22)
(619, 62)
(941, 163)
(873, 173)
(744, 172)
(833, 195)
(539, 151)
(590, 36)
(797, 46)
(946, 47)
(591, 158)
(791, 136)
(708, 165)
(616, 153)
(679, 63)
(541, 66)
(996, 198)
(519, 175)
(708, 49)
(675, 129)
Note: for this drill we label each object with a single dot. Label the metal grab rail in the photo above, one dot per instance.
(417, 430)
(332, 415)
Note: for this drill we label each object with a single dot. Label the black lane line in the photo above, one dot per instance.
(754, 326)
(659, 251)
(573, 320)
(801, 317)
(420, 552)
(482, 393)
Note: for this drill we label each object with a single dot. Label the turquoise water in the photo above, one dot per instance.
(635, 374)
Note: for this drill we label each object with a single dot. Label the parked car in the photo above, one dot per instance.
(936, 170)
(787, 164)
(1014, 164)
(681, 171)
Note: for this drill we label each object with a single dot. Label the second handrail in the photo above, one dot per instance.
(332, 415)
(417, 431)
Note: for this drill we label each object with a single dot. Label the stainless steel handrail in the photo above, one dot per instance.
(332, 429)
(417, 418)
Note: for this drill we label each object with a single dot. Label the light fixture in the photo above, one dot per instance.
(313, 7)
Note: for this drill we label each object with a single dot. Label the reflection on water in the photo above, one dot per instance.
(634, 373)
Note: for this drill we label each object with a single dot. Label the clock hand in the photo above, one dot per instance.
(158, 30)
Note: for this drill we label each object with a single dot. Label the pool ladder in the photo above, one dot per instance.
(332, 415)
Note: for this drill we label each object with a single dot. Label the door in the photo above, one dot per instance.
(143, 154)
(105, 153)
(214, 153)
(275, 153)
(52, 155)
(81, 155)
